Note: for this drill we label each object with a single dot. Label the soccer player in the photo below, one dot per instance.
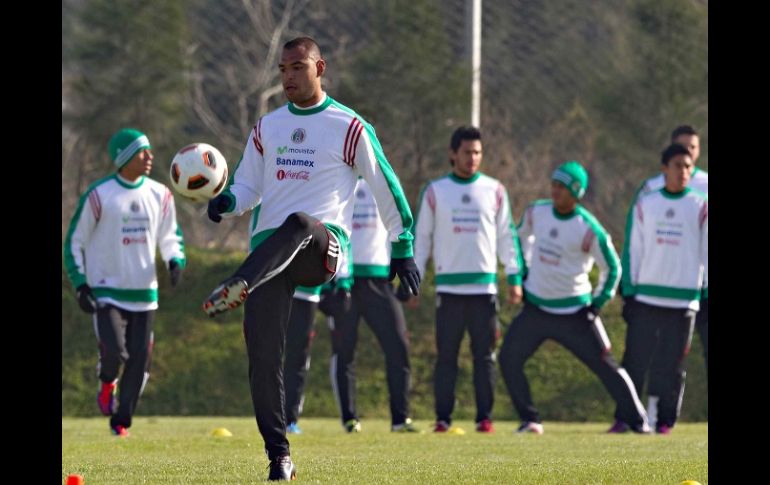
(109, 254)
(371, 297)
(301, 162)
(686, 136)
(464, 222)
(562, 241)
(667, 266)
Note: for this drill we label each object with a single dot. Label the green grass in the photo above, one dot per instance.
(181, 450)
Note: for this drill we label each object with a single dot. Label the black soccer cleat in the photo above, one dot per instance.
(282, 468)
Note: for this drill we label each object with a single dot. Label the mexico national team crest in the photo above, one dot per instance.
(298, 136)
(670, 213)
(134, 206)
(466, 199)
(554, 233)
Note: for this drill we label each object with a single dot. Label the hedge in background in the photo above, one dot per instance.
(199, 365)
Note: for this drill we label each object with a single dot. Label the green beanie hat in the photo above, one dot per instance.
(125, 144)
(573, 176)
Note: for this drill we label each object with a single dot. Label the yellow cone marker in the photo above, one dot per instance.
(455, 430)
(221, 432)
(690, 482)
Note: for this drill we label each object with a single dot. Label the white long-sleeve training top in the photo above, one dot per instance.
(560, 251)
(667, 259)
(308, 160)
(112, 238)
(465, 225)
(699, 180)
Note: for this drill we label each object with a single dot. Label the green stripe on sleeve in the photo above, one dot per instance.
(403, 247)
(253, 225)
(515, 279)
(610, 257)
(230, 181)
(625, 259)
(419, 202)
(182, 262)
(75, 276)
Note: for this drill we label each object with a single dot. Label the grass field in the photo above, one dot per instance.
(181, 450)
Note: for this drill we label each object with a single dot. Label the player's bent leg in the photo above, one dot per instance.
(276, 254)
(588, 341)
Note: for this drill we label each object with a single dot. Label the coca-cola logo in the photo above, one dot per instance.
(292, 175)
(364, 225)
(134, 240)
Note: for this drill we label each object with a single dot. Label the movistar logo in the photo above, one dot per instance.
(304, 151)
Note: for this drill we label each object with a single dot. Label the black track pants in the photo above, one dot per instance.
(125, 339)
(585, 338)
(455, 314)
(667, 332)
(300, 252)
(373, 299)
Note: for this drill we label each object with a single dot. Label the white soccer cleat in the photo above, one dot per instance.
(530, 427)
(230, 294)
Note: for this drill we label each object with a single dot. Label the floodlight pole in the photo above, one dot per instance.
(475, 62)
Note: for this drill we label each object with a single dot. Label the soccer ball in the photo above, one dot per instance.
(198, 172)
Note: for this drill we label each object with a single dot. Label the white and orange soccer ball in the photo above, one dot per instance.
(198, 172)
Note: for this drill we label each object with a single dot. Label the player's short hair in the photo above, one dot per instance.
(672, 151)
(683, 130)
(464, 133)
(310, 45)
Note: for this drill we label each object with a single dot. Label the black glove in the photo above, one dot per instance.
(175, 272)
(86, 299)
(407, 272)
(218, 205)
(335, 302)
(402, 294)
